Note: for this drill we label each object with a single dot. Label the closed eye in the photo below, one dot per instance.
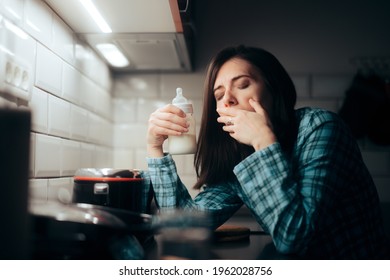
(242, 82)
(243, 85)
(219, 92)
(238, 82)
(218, 95)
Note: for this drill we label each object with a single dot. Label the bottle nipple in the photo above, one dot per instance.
(182, 102)
(179, 99)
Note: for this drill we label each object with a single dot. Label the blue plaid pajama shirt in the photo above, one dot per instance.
(320, 202)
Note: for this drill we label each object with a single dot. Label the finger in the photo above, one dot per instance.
(174, 117)
(160, 131)
(228, 128)
(169, 126)
(163, 131)
(227, 120)
(228, 111)
(256, 106)
(169, 108)
(181, 127)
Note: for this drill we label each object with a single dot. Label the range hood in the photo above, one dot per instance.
(153, 35)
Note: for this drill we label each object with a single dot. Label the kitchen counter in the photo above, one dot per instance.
(57, 239)
(258, 245)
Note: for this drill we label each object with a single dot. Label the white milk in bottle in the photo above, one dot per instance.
(185, 143)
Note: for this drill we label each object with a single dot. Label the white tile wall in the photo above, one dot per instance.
(86, 92)
(71, 82)
(100, 130)
(145, 107)
(38, 189)
(302, 85)
(70, 97)
(31, 171)
(39, 106)
(192, 85)
(78, 123)
(140, 156)
(47, 156)
(59, 116)
(125, 158)
(124, 135)
(38, 21)
(102, 157)
(21, 46)
(63, 41)
(329, 104)
(18, 51)
(70, 157)
(13, 10)
(60, 189)
(146, 86)
(87, 153)
(330, 86)
(102, 103)
(48, 71)
(124, 110)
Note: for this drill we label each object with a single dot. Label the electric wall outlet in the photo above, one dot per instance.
(15, 76)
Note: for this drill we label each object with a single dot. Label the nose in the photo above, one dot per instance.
(228, 99)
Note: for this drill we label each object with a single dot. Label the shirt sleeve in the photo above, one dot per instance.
(284, 195)
(170, 193)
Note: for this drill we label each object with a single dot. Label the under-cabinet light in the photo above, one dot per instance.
(113, 55)
(95, 14)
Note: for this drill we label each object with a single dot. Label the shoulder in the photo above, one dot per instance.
(315, 116)
(320, 122)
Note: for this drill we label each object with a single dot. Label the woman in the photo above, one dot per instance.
(300, 172)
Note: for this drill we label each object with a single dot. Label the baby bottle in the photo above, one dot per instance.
(185, 143)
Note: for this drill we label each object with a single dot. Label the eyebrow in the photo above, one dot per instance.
(235, 79)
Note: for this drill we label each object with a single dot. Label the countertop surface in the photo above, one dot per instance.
(257, 245)
(54, 239)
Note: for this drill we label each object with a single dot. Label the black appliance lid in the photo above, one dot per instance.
(107, 175)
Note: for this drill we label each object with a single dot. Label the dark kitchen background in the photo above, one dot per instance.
(86, 113)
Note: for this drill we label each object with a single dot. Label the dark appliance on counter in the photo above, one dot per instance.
(116, 188)
(86, 231)
(109, 218)
(15, 125)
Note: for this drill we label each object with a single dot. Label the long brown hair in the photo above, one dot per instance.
(217, 152)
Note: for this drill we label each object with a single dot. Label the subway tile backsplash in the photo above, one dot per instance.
(70, 157)
(38, 21)
(83, 116)
(13, 10)
(48, 75)
(70, 97)
(58, 117)
(79, 123)
(330, 86)
(39, 105)
(47, 160)
(38, 189)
